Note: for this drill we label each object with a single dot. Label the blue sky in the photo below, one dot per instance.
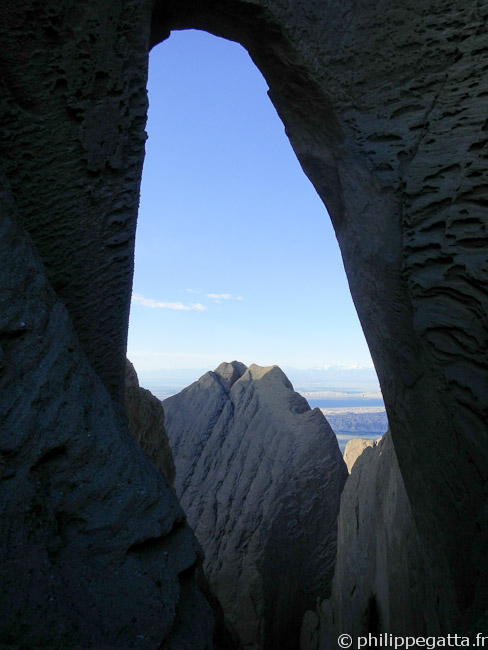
(235, 254)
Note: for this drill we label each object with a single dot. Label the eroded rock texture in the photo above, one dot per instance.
(73, 109)
(95, 551)
(146, 424)
(259, 475)
(385, 104)
(383, 579)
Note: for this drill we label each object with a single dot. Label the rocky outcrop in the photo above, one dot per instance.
(146, 424)
(259, 476)
(95, 551)
(383, 579)
(354, 449)
(72, 146)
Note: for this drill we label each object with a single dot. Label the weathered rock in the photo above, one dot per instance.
(259, 476)
(146, 424)
(309, 634)
(385, 105)
(95, 551)
(73, 107)
(354, 449)
(383, 579)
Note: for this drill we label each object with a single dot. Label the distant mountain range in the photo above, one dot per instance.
(362, 420)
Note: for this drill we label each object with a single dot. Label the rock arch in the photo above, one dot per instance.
(385, 106)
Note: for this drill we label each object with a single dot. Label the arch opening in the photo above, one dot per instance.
(252, 270)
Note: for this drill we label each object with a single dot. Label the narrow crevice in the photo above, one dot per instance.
(50, 456)
(155, 543)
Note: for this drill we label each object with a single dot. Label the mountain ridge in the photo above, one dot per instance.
(259, 474)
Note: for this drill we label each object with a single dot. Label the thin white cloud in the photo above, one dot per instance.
(139, 299)
(239, 298)
(219, 296)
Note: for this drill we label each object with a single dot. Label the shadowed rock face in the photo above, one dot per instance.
(95, 550)
(146, 424)
(383, 580)
(72, 146)
(259, 476)
(385, 104)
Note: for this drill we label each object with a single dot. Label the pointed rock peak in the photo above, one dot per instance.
(131, 379)
(354, 449)
(229, 373)
(259, 371)
(274, 388)
(258, 454)
(272, 372)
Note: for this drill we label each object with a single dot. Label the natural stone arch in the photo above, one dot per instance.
(369, 109)
(385, 105)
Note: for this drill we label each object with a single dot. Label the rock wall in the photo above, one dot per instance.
(73, 106)
(95, 551)
(383, 579)
(259, 475)
(146, 424)
(385, 105)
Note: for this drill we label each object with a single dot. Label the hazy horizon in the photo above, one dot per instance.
(324, 386)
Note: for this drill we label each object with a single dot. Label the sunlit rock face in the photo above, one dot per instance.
(259, 475)
(354, 449)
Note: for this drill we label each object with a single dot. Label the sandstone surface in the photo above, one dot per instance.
(259, 475)
(354, 449)
(382, 580)
(146, 424)
(95, 550)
